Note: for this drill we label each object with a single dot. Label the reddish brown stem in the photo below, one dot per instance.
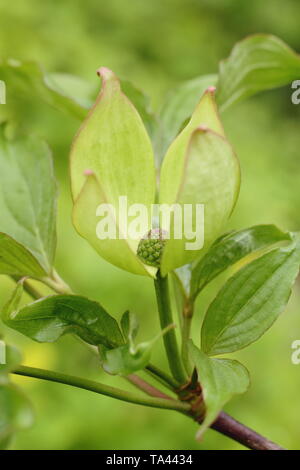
(146, 387)
(228, 426)
(224, 424)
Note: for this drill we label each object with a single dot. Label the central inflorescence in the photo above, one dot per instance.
(151, 247)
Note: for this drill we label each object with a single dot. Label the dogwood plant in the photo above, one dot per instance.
(179, 157)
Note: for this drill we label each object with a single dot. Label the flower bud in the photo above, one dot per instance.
(151, 247)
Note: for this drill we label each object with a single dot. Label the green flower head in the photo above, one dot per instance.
(151, 247)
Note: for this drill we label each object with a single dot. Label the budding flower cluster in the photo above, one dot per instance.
(151, 247)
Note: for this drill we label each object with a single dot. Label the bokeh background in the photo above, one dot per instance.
(157, 44)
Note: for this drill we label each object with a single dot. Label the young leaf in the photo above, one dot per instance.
(47, 319)
(230, 249)
(114, 147)
(15, 412)
(129, 325)
(123, 360)
(128, 358)
(220, 379)
(179, 107)
(259, 62)
(250, 301)
(200, 167)
(27, 202)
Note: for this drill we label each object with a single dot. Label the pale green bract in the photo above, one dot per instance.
(112, 157)
(200, 167)
(177, 109)
(114, 147)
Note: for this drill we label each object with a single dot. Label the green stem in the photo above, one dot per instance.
(32, 291)
(224, 423)
(162, 377)
(101, 389)
(146, 387)
(187, 317)
(170, 342)
(186, 329)
(57, 284)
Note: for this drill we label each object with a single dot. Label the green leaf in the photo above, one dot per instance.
(67, 93)
(16, 412)
(259, 62)
(63, 92)
(13, 303)
(220, 379)
(74, 88)
(250, 301)
(200, 167)
(125, 360)
(182, 280)
(114, 147)
(129, 325)
(129, 358)
(15, 259)
(230, 249)
(179, 107)
(47, 319)
(27, 205)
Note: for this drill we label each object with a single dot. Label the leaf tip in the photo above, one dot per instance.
(202, 128)
(108, 78)
(105, 73)
(88, 172)
(211, 89)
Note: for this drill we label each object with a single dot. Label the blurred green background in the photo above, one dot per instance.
(156, 45)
